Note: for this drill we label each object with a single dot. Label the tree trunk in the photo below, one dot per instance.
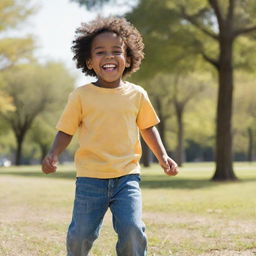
(180, 145)
(161, 129)
(250, 145)
(161, 125)
(224, 155)
(19, 142)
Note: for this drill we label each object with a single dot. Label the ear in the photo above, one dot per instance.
(89, 64)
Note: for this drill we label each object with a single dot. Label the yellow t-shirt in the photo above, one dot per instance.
(108, 121)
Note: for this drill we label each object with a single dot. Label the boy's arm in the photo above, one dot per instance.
(153, 140)
(61, 141)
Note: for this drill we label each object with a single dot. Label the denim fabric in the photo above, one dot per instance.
(93, 197)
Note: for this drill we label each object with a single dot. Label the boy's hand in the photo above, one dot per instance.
(49, 164)
(170, 167)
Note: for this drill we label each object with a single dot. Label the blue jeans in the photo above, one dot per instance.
(93, 197)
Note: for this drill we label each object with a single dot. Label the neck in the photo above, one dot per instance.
(105, 84)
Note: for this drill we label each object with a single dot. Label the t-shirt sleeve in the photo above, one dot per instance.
(147, 116)
(71, 117)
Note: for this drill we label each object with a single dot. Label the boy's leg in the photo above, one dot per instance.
(126, 207)
(90, 206)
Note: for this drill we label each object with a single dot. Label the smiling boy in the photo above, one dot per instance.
(108, 59)
(109, 114)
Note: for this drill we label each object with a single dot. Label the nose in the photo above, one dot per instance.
(109, 55)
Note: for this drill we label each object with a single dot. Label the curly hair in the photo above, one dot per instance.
(85, 34)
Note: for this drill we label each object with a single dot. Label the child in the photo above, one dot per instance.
(109, 115)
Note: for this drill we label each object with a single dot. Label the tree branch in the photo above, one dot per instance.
(212, 61)
(193, 20)
(231, 8)
(215, 5)
(241, 31)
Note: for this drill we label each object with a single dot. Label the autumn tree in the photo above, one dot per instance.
(12, 48)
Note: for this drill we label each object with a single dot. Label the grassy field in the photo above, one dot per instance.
(187, 215)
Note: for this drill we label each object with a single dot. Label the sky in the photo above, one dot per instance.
(53, 26)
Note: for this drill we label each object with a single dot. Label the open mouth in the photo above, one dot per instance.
(109, 67)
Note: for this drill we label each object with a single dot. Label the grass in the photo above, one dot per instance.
(186, 215)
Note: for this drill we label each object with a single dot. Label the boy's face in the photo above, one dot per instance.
(108, 58)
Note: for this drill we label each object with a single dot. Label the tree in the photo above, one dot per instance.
(34, 89)
(5, 103)
(12, 49)
(223, 22)
(212, 29)
(172, 94)
(41, 134)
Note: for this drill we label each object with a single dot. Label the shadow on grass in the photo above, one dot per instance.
(148, 181)
(161, 181)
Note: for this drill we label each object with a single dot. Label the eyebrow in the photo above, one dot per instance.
(101, 47)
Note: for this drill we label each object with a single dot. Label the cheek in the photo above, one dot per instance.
(94, 62)
(123, 59)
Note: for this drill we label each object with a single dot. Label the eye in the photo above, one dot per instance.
(117, 52)
(100, 53)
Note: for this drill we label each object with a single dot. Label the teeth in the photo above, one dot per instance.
(109, 66)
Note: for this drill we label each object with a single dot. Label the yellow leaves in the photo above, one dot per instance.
(5, 103)
(13, 12)
(13, 49)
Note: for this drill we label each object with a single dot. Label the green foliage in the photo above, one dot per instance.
(35, 89)
(178, 33)
(244, 110)
(42, 134)
(170, 45)
(244, 54)
(194, 93)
